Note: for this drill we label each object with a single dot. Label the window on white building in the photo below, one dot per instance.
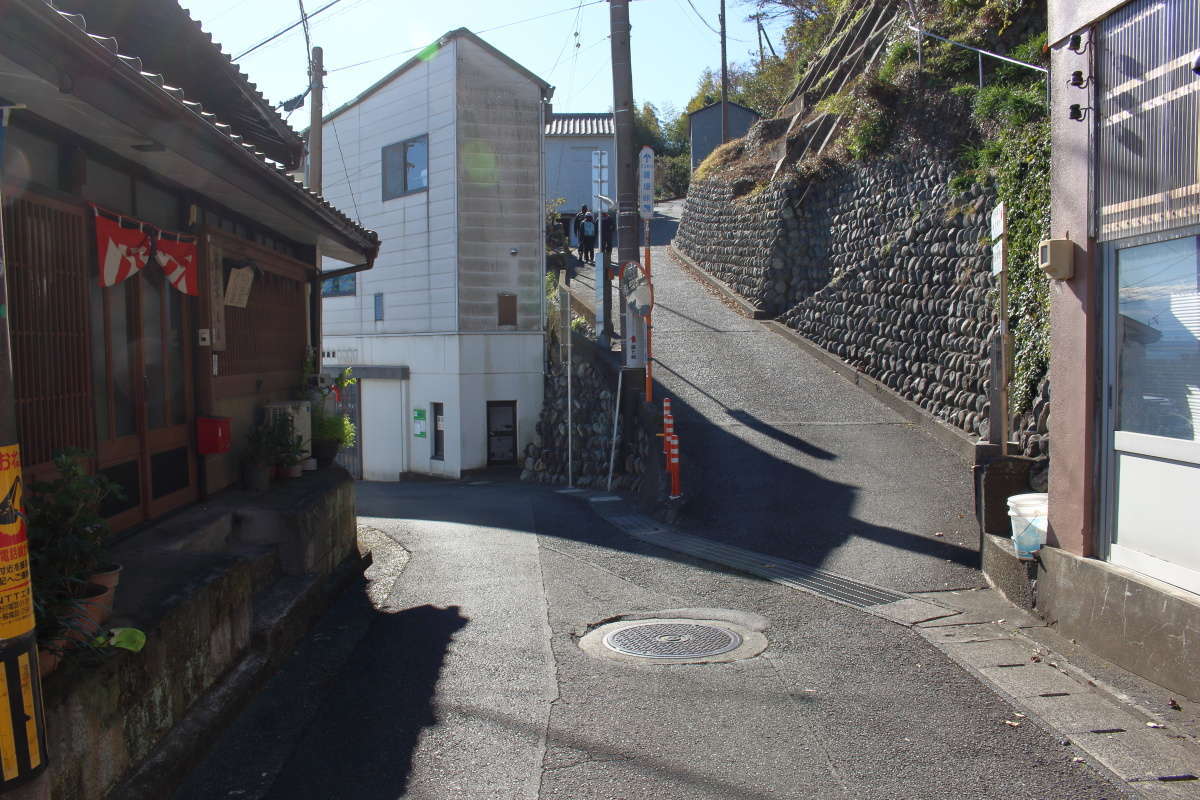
(405, 167)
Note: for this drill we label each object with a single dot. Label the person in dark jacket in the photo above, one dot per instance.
(587, 239)
(575, 223)
(608, 230)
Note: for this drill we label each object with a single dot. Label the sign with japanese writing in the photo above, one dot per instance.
(999, 234)
(16, 595)
(646, 182)
(419, 423)
(237, 291)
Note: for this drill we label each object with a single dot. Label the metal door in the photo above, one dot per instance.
(502, 432)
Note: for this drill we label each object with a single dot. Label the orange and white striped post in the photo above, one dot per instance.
(673, 467)
(668, 424)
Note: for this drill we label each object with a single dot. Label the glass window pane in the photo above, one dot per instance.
(416, 164)
(393, 171)
(29, 158)
(341, 286)
(1158, 338)
(121, 327)
(152, 281)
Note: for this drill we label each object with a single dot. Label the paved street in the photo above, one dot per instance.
(456, 673)
(786, 457)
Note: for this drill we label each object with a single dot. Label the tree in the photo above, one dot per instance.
(647, 130)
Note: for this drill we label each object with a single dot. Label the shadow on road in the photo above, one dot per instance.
(783, 437)
(404, 652)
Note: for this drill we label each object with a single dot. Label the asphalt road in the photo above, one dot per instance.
(454, 672)
(786, 457)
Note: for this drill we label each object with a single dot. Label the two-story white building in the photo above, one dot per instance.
(444, 158)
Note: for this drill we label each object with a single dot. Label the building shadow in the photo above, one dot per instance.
(384, 698)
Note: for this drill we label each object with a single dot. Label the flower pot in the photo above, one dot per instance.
(293, 470)
(257, 477)
(87, 614)
(107, 576)
(325, 451)
(49, 654)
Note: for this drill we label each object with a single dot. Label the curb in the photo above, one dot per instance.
(744, 306)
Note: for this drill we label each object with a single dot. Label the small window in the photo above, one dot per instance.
(439, 431)
(405, 167)
(379, 308)
(507, 309)
(341, 286)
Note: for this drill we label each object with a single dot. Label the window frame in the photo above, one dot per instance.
(389, 191)
(327, 281)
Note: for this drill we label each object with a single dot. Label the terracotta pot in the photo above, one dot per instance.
(48, 658)
(325, 451)
(107, 576)
(293, 471)
(88, 613)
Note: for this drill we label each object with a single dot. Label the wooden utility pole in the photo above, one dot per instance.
(625, 171)
(314, 121)
(724, 82)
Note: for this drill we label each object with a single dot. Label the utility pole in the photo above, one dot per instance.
(21, 708)
(759, 28)
(626, 166)
(315, 143)
(724, 82)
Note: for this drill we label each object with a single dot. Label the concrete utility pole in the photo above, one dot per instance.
(724, 82)
(314, 121)
(626, 167)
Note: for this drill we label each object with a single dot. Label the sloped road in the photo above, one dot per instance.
(786, 457)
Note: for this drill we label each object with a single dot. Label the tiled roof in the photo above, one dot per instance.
(303, 194)
(581, 125)
(171, 43)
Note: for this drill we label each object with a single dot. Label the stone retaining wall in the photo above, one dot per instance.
(878, 264)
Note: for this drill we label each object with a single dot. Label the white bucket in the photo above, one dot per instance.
(1028, 514)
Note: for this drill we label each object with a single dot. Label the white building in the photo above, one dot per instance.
(570, 141)
(443, 157)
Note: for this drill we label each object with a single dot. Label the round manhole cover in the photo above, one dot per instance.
(672, 640)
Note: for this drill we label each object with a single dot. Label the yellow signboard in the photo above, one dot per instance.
(16, 595)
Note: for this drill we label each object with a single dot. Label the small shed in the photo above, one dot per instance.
(704, 128)
(570, 141)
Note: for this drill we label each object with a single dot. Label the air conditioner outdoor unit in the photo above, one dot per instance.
(301, 416)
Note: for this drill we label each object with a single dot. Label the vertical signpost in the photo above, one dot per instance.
(1000, 349)
(599, 191)
(646, 211)
(22, 725)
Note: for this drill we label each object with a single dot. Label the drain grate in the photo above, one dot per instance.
(672, 640)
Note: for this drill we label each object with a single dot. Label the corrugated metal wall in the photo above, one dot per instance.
(1149, 111)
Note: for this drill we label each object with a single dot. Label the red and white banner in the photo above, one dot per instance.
(124, 250)
(176, 254)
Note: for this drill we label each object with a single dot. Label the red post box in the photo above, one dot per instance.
(212, 435)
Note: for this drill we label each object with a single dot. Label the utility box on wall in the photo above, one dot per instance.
(213, 435)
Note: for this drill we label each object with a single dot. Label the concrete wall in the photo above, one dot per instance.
(500, 123)
(569, 169)
(704, 129)
(498, 368)
(1074, 321)
(416, 270)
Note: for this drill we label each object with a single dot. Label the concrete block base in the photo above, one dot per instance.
(1136, 622)
(1006, 573)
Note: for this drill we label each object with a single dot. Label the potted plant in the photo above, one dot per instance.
(67, 533)
(331, 431)
(289, 447)
(258, 459)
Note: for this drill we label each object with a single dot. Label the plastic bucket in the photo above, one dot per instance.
(1028, 515)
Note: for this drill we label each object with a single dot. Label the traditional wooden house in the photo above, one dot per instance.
(142, 171)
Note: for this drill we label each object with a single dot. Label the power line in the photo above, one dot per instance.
(277, 34)
(485, 30)
(346, 172)
(702, 19)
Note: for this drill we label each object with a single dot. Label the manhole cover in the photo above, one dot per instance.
(672, 640)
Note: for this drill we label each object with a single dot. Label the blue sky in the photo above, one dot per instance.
(670, 43)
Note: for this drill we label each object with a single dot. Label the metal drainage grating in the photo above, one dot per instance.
(672, 640)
